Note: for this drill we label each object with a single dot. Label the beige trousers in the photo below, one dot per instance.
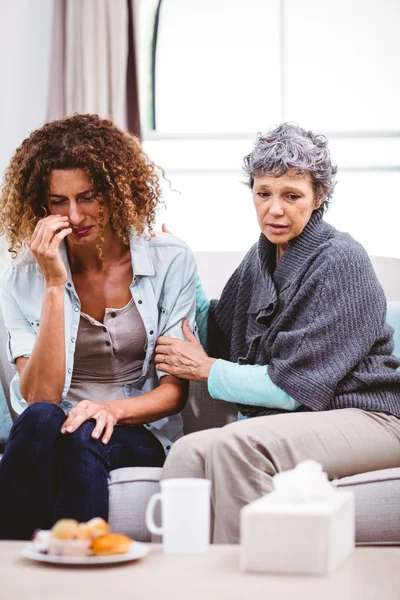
(241, 458)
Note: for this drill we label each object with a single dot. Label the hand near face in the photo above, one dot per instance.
(186, 359)
(99, 411)
(45, 243)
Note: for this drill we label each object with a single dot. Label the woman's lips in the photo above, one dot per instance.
(81, 231)
(275, 228)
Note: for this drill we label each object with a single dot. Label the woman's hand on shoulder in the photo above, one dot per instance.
(186, 358)
(101, 412)
(45, 243)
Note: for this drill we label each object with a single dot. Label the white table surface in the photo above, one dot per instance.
(369, 573)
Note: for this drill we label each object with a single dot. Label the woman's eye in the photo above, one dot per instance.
(88, 198)
(56, 202)
(293, 196)
(263, 194)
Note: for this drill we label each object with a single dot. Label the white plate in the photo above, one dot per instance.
(137, 550)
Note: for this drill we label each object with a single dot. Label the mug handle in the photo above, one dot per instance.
(151, 526)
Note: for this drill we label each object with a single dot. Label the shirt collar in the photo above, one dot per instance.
(142, 262)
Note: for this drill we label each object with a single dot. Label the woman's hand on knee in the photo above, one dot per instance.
(86, 410)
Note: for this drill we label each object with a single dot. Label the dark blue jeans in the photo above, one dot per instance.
(46, 475)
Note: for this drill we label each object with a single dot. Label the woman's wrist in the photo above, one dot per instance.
(54, 288)
(116, 410)
(205, 368)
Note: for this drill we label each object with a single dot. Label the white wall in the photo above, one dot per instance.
(25, 31)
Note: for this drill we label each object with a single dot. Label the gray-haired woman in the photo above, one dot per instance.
(299, 340)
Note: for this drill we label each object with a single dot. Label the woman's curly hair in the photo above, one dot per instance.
(123, 176)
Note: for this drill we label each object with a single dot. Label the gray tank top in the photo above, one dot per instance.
(108, 355)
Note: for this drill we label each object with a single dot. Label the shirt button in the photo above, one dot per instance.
(68, 284)
(151, 332)
(108, 343)
(69, 370)
(113, 315)
(105, 329)
(167, 447)
(76, 309)
(140, 302)
(73, 340)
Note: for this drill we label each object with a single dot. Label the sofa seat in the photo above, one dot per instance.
(377, 496)
(129, 490)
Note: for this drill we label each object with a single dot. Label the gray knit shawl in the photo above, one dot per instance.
(318, 320)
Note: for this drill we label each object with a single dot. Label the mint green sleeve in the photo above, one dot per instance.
(202, 308)
(247, 384)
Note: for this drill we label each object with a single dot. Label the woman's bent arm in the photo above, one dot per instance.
(167, 399)
(42, 376)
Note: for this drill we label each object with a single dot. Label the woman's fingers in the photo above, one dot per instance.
(46, 233)
(165, 229)
(44, 245)
(78, 415)
(101, 421)
(109, 429)
(188, 333)
(165, 340)
(86, 410)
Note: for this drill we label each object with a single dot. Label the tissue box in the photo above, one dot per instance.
(282, 536)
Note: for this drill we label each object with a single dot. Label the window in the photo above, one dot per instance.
(225, 70)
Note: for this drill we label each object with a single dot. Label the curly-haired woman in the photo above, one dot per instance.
(301, 339)
(89, 291)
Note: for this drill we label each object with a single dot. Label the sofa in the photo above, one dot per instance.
(377, 493)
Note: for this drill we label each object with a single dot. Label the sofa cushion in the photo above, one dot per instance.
(393, 318)
(5, 417)
(377, 496)
(130, 489)
(203, 412)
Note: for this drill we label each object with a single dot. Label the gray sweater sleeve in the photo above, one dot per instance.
(317, 358)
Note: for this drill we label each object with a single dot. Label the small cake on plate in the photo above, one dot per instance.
(111, 543)
(66, 541)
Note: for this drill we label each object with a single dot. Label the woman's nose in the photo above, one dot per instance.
(74, 213)
(276, 207)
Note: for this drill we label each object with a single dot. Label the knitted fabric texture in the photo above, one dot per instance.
(318, 321)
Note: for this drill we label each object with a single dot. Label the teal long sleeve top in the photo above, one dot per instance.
(242, 384)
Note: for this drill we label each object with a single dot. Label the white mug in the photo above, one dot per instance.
(185, 515)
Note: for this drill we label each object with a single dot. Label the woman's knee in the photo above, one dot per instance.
(235, 443)
(40, 417)
(188, 454)
(82, 437)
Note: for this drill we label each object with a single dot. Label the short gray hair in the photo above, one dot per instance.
(289, 147)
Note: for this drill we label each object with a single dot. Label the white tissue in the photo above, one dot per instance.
(306, 482)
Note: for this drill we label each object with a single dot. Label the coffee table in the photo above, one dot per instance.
(369, 573)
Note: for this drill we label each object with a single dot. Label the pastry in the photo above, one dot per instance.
(111, 543)
(65, 529)
(93, 528)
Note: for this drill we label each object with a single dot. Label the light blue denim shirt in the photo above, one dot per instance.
(163, 289)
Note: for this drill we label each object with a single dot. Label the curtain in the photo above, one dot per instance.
(93, 66)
